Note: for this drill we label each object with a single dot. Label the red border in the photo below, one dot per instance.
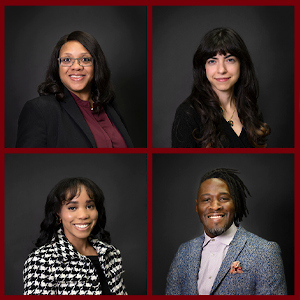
(149, 150)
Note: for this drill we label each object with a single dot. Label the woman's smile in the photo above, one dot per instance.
(222, 71)
(79, 216)
(76, 78)
(82, 226)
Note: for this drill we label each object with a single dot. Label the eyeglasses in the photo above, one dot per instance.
(69, 61)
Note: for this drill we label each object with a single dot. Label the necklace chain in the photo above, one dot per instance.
(230, 120)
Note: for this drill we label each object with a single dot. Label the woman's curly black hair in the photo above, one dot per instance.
(63, 192)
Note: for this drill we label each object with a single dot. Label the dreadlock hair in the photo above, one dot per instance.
(63, 192)
(237, 189)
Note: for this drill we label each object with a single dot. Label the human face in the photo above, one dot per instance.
(76, 78)
(79, 217)
(215, 206)
(223, 71)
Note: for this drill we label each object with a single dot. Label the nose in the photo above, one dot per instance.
(215, 204)
(83, 213)
(76, 65)
(221, 67)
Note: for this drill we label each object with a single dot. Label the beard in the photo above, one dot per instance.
(217, 231)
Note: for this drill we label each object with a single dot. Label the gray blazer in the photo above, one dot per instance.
(47, 123)
(261, 263)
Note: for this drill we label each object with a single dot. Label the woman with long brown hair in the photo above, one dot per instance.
(222, 109)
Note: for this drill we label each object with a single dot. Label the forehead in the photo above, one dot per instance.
(73, 47)
(222, 55)
(213, 186)
(76, 192)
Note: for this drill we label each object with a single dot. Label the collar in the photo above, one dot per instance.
(68, 252)
(224, 238)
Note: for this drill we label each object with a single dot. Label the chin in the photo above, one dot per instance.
(217, 231)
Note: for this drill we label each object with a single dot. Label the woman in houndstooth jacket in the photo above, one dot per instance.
(69, 259)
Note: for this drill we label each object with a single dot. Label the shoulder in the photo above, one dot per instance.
(42, 254)
(43, 102)
(190, 246)
(256, 242)
(102, 248)
(186, 121)
(186, 108)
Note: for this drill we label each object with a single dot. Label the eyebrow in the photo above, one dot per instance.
(76, 202)
(215, 57)
(208, 194)
(83, 53)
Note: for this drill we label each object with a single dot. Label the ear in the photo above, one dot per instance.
(196, 205)
(58, 218)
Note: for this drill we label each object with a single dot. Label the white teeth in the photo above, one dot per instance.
(215, 217)
(76, 76)
(82, 226)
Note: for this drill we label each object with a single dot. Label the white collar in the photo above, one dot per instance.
(224, 238)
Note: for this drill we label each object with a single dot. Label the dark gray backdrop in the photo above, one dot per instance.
(31, 33)
(176, 178)
(122, 177)
(269, 35)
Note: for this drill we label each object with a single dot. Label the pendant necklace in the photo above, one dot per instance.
(230, 120)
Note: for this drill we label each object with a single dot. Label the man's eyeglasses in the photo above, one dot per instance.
(69, 61)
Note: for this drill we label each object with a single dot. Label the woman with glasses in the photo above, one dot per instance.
(222, 109)
(76, 107)
(73, 255)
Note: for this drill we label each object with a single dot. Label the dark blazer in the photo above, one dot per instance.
(187, 119)
(261, 263)
(47, 123)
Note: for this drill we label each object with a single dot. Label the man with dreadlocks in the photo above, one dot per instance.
(227, 259)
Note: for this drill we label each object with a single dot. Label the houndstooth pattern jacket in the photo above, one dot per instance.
(58, 269)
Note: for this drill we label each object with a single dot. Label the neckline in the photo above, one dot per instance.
(228, 125)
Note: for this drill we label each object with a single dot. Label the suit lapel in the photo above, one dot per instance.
(115, 118)
(235, 247)
(194, 265)
(74, 112)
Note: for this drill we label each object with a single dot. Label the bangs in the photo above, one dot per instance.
(221, 42)
(74, 191)
(220, 49)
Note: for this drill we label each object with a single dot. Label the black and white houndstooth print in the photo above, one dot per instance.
(58, 269)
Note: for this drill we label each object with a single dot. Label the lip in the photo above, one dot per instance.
(222, 79)
(82, 226)
(76, 77)
(216, 216)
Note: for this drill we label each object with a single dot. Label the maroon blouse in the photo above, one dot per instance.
(105, 133)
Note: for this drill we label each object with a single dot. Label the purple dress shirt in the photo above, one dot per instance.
(105, 133)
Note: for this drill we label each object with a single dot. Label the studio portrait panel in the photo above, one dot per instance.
(269, 179)
(29, 178)
(191, 105)
(113, 34)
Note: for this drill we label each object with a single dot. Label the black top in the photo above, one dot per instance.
(101, 276)
(187, 119)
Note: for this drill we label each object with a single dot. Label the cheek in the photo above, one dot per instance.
(237, 71)
(95, 216)
(209, 72)
(61, 74)
(65, 215)
(92, 73)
